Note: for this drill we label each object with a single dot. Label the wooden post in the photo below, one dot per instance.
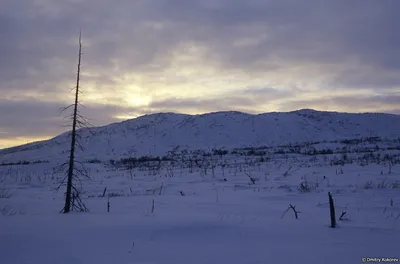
(332, 211)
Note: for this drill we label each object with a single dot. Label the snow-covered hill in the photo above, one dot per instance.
(156, 134)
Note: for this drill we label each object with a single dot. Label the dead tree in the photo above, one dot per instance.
(74, 174)
(332, 210)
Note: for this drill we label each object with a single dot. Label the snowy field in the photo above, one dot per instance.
(229, 212)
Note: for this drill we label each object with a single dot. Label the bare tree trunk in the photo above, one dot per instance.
(332, 210)
(67, 206)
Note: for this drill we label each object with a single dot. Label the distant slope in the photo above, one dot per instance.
(156, 134)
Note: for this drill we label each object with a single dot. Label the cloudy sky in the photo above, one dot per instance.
(193, 56)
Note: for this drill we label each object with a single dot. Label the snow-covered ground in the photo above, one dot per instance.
(211, 188)
(212, 214)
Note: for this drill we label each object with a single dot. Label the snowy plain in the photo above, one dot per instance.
(203, 218)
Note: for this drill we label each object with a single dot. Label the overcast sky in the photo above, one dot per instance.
(193, 56)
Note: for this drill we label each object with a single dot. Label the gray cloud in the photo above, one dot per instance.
(321, 32)
(248, 100)
(36, 119)
(347, 44)
(29, 116)
(33, 118)
(373, 103)
(202, 105)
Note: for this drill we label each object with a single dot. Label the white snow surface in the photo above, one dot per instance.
(222, 209)
(215, 220)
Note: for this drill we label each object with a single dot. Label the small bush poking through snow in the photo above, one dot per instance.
(395, 185)
(94, 161)
(368, 185)
(382, 184)
(286, 187)
(8, 211)
(115, 194)
(306, 187)
(5, 193)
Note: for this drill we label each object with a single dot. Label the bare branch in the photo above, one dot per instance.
(63, 109)
(294, 211)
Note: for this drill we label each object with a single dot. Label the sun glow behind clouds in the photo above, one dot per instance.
(10, 142)
(126, 117)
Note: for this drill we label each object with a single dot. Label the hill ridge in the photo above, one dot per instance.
(156, 134)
